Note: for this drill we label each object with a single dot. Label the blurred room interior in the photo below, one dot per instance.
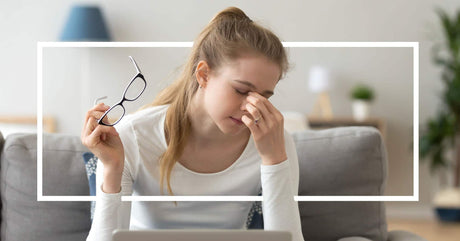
(326, 86)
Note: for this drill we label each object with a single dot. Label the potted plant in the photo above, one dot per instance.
(440, 138)
(361, 95)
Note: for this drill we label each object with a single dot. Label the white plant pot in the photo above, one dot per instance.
(360, 109)
(447, 204)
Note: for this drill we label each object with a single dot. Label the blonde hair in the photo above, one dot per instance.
(228, 35)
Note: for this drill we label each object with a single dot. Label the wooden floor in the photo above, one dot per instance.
(431, 230)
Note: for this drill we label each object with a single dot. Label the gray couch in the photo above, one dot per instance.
(339, 161)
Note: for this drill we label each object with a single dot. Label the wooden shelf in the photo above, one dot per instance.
(49, 124)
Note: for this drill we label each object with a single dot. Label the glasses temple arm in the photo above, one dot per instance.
(135, 64)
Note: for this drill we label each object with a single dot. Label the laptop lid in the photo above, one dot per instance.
(200, 235)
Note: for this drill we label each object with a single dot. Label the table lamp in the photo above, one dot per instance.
(85, 23)
(319, 82)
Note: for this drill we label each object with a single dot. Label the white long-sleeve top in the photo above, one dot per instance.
(143, 138)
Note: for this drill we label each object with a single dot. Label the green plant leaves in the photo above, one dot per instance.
(440, 132)
(362, 92)
(451, 29)
(437, 138)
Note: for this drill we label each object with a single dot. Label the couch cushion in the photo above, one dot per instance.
(342, 161)
(24, 218)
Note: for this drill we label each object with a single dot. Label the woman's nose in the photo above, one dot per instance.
(243, 104)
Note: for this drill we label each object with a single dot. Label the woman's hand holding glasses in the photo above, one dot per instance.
(102, 139)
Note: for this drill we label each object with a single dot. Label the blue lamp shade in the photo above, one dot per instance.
(85, 23)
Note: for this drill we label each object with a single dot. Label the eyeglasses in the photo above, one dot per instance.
(132, 91)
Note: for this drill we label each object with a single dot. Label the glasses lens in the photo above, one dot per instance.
(135, 89)
(114, 115)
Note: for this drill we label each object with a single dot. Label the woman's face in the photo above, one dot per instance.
(227, 89)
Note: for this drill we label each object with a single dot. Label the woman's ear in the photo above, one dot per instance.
(202, 73)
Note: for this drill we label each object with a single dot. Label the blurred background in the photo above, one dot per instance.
(320, 91)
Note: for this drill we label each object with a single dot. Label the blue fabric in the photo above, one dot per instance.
(90, 166)
(255, 218)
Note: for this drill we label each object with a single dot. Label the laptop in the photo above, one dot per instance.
(200, 235)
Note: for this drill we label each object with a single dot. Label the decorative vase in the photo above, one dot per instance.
(360, 109)
(447, 204)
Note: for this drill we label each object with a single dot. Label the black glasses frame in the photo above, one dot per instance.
(123, 99)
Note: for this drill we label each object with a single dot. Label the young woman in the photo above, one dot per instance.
(212, 132)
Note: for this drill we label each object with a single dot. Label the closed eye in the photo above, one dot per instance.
(246, 93)
(241, 92)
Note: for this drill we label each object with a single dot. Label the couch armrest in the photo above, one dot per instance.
(342, 161)
(400, 235)
(63, 175)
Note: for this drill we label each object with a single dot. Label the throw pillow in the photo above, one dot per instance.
(255, 217)
(90, 165)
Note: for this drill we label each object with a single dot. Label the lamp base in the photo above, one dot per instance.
(322, 107)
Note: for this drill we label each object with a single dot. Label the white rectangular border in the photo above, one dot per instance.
(40, 197)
